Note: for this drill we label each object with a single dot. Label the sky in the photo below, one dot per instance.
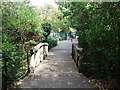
(42, 3)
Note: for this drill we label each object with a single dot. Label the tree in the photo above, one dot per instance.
(47, 29)
(53, 16)
(97, 25)
(20, 21)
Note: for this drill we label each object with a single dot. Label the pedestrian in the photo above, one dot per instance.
(71, 38)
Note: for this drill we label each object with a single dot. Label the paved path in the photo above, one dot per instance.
(58, 70)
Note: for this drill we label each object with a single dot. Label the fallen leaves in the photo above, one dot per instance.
(70, 83)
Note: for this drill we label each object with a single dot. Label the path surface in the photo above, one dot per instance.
(58, 70)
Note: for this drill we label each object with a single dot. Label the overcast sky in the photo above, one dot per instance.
(42, 3)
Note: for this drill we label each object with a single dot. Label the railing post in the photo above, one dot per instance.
(44, 52)
(31, 68)
(73, 51)
(28, 63)
(80, 66)
(31, 52)
(5, 66)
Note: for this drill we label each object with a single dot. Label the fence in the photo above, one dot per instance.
(77, 55)
(13, 70)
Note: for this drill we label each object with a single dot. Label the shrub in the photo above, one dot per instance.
(47, 29)
(52, 41)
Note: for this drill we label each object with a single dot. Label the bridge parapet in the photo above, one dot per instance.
(38, 54)
(77, 55)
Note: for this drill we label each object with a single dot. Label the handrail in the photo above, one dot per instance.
(39, 46)
(77, 55)
(40, 50)
(38, 53)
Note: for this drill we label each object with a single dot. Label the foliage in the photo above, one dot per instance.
(15, 55)
(19, 20)
(31, 42)
(98, 28)
(46, 28)
(20, 24)
(52, 41)
(53, 16)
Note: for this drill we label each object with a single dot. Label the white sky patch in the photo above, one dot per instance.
(42, 3)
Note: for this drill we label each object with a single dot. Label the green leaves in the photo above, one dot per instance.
(70, 83)
(98, 27)
(20, 24)
(47, 29)
(52, 41)
(20, 19)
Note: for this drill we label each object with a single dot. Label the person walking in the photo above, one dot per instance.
(71, 38)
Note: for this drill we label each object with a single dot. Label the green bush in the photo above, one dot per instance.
(52, 41)
(47, 29)
(100, 41)
(15, 55)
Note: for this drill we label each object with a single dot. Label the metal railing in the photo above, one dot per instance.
(13, 70)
